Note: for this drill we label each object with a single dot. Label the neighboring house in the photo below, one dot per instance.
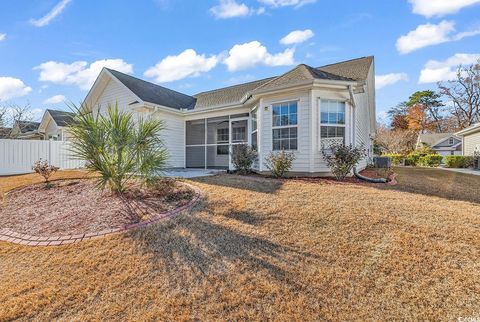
(5, 132)
(54, 125)
(443, 143)
(301, 111)
(471, 139)
(26, 130)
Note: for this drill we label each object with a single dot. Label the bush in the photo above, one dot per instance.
(430, 160)
(279, 163)
(118, 147)
(413, 158)
(397, 159)
(458, 161)
(342, 158)
(44, 169)
(243, 157)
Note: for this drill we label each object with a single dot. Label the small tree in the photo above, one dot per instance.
(279, 163)
(44, 169)
(342, 158)
(243, 157)
(117, 147)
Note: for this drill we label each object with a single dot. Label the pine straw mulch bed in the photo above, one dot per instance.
(77, 206)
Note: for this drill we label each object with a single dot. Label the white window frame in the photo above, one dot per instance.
(254, 118)
(451, 141)
(320, 124)
(278, 127)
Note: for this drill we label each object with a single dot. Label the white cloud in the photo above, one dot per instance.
(430, 8)
(186, 64)
(437, 71)
(252, 54)
(57, 10)
(431, 34)
(286, 3)
(229, 9)
(389, 79)
(297, 37)
(79, 73)
(12, 87)
(56, 99)
(3, 37)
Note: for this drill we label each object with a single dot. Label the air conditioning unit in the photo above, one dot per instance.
(382, 162)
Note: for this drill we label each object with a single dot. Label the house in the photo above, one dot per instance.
(471, 139)
(5, 132)
(54, 125)
(26, 130)
(301, 111)
(443, 143)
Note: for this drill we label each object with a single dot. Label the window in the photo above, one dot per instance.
(332, 122)
(284, 126)
(222, 138)
(238, 134)
(254, 139)
(450, 141)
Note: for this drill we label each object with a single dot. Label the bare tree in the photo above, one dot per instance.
(14, 113)
(396, 140)
(464, 93)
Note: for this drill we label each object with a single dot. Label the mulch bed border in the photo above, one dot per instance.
(10, 236)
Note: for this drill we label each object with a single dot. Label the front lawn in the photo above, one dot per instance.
(265, 249)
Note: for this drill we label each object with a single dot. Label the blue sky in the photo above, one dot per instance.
(51, 50)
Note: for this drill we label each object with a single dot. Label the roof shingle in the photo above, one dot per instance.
(154, 93)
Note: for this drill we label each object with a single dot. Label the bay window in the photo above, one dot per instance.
(284, 126)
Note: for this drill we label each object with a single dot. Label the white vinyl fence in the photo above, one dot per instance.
(18, 156)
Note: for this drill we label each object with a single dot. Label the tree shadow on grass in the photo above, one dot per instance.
(206, 247)
(252, 183)
(438, 183)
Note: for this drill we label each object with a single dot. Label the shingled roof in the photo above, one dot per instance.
(356, 69)
(227, 95)
(153, 93)
(351, 70)
(299, 74)
(27, 126)
(62, 118)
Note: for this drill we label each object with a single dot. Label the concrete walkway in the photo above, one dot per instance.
(466, 171)
(191, 173)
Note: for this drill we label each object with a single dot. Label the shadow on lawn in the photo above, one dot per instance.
(197, 244)
(252, 183)
(438, 183)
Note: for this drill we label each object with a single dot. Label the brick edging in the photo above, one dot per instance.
(10, 236)
(393, 180)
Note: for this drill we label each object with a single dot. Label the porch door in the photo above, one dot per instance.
(239, 134)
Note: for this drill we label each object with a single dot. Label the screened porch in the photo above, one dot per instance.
(210, 141)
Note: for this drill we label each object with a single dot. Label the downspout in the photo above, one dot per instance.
(354, 141)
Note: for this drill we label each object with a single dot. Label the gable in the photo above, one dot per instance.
(111, 92)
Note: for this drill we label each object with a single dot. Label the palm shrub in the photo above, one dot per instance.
(279, 163)
(342, 158)
(118, 148)
(243, 157)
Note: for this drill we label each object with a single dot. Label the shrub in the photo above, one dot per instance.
(397, 159)
(413, 158)
(342, 158)
(44, 169)
(430, 160)
(458, 161)
(118, 147)
(243, 157)
(279, 163)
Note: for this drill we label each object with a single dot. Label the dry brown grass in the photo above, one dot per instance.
(264, 249)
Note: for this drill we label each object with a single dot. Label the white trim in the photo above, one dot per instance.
(284, 101)
(347, 136)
